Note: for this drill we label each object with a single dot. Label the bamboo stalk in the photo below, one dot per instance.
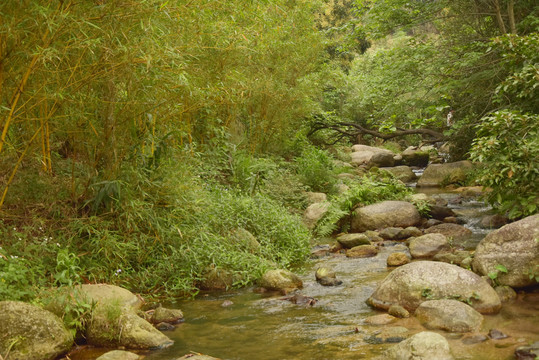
(19, 161)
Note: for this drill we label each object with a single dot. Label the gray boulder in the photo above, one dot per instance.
(425, 345)
(445, 174)
(449, 315)
(29, 332)
(316, 197)
(348, 241)
(314, 213)
(493, 221)
(428, 245)
(403, 173)
(171, 316)
(412, 284)
(281, 280)
(385, 214)
(371, 156)
(514, 246)
(440, 212)
(119, 355)
(414, 157)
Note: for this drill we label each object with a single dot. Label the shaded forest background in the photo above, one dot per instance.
(140, 139)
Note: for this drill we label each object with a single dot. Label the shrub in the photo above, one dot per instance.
(315, 169)
(507, 147)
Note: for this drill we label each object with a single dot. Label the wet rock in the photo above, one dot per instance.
(281, 280)
(436, 175)
(514, 246)
(314, 213)
(165, 326)
(495, 334)
(449, 315)
(362, 251)
(348, 241)
(440, 212)
(30, 332)
(388, 335)
(326, 277)
(385, 214)
(119, 355)
(397, 259)
(451, 220)
(171, 316)
(390, 233)
(382, 319)
(414, 283)
(432, 222)
(300, 300)
(197, 356)
(493, 221)
(528, 352)
(453, 231)
(403, 173)
(506, 293)
(410, 231)
(456, 257)
(428, 245)
(320, 251)
(425, 345)
(398, 311)
(227, 303)
(474, 339)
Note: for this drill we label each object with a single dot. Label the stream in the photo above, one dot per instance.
(265, 327)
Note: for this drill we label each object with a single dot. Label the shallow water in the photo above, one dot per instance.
(266, 327)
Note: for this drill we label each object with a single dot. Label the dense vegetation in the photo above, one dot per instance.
(139, 138)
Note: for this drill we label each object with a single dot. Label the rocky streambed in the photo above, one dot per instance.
(335, 322)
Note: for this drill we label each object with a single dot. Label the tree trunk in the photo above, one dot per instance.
(499, 17)
(511, 14)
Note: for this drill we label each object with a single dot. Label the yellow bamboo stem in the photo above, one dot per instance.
(19, 161)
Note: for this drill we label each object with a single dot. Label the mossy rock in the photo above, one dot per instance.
(29, 332)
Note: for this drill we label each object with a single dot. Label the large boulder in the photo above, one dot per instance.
(425, 345)
(314, 213)
(280, 280)
(106, 293)
(454, 231)
(445, 174)
(349, 241)
(385, 214)
(449, 315)
(403, 173)
(371, 156)
(28, 332)
(514, 246)
(112, 325)
(415, 157)
(412, 284)
(428, 245)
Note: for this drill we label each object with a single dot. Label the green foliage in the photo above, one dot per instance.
(315, 168)
(67, 269)
(493, 275)
(508, 148)
(366, 191)
(16, 281)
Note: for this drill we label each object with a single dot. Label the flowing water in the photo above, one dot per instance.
(266, 327)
